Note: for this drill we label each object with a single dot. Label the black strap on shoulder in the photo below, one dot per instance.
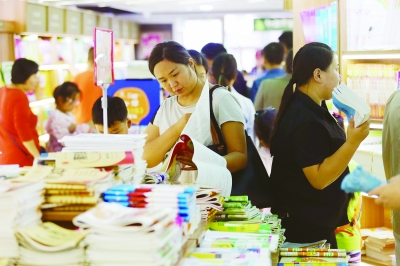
(212, 116)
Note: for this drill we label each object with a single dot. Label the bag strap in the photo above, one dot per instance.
(216, 132)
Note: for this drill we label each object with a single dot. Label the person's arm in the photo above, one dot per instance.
(31, 147)
(389, 194)
(158, 145)
(235, 140)
(323, 174)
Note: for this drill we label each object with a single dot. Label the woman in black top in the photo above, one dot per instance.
(310, 150)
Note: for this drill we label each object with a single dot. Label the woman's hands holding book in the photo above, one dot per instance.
(356, 135)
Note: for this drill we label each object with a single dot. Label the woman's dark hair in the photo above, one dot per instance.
(22, 69)
(264, 123)
(224, 69)
(289, 62)
(199, 58)
(168, 50)
(65, 90)
(310, 57)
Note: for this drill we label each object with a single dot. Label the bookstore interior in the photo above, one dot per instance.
(161, 186)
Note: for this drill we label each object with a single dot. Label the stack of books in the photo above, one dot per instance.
(19, 207)
(380, 245)
(210, 202)
(70, 189)
(179, 198)
(238, 208)
(112, 143)
(121, 235)
(50, 244)
(225, 256)
(312, 256)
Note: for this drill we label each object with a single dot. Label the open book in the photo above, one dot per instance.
(347, 101)
(211, 167)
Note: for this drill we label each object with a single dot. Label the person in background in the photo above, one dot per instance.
(89, 92)
(61, 122)
(389, 195)
(118, 121)
(271, 90)
(259, 70)
(286, 39)
(224, 70)
(210, 51)
(201, 65)
(273, 56)
(174, 68)
(19, 140)
(311, 152)
(263, 124)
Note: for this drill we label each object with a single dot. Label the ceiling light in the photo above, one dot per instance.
(255, 1)
(206, 7)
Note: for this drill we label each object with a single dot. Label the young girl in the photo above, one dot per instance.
(61, 121)
(263, 125)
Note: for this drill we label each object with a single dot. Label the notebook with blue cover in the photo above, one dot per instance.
(347, 101)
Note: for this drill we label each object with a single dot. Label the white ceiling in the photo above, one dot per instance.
(150, 7)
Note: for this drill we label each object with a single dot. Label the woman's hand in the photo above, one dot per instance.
(389, 194)
(72, 128)
(355, 135)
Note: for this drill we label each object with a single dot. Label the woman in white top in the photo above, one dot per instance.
(174, 68)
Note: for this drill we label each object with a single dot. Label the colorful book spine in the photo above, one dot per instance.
(313, 254)
(313, 264)
(311, 250)
(232, 227)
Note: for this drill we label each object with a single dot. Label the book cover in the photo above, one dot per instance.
(312, 260)
(88, 159)
(347, 101)
(313, 254)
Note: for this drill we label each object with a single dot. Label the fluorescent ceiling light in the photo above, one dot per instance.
(206, 7)
(372, 56)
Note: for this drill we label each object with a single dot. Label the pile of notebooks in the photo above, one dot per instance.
(50, 244)
(132, 173)
(121, 235)
(210, 202)
(19, 207)
(181, 199)
(312, 256)
(237, 208)
(380, 245)
(70, 189)
(233, 248)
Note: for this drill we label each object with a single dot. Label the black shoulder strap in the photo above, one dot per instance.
(212, 116)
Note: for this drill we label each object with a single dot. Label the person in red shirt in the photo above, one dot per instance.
(19, 140)
(89, 92)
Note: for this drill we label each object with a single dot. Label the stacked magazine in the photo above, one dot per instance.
(121, 235)
(210, 202)
(19, 207)
(50, 244)
(347, 101)
(238, 208)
